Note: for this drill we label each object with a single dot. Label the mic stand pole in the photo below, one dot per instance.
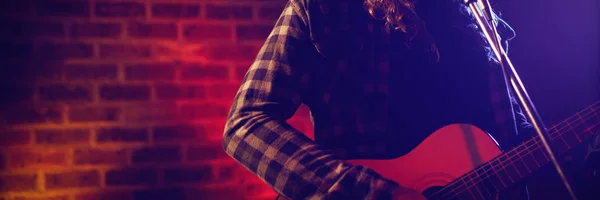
(483, 15)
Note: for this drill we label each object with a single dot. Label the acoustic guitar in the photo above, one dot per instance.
(461, 161)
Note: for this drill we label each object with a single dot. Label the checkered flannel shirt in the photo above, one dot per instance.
(281, 79)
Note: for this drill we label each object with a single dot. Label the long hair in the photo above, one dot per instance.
(401, 15)
(392, 11)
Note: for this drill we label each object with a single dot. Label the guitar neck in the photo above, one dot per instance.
(518, 163)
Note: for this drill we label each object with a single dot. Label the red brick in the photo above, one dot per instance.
(230, 172)
(268, 195)
(124, 92)
(152, 30)
(16, 29)
(106, 195)
(229, 52)
(14, 138)
(269, 13)
(131, 177)
(217, 193)
(99, 30)
(200, 33)
(62, 136)
(175, 11)
(223, 91)
(247, 176)
(63, 8)
(18, 183)
(156, 155)
(61, 92)
(253, 32)
(99, 157)
(170, 50)
(3, 162)
(120, 9)
(52, 197)
(224, 12)
(171, 91)
(178, 133)
(188, 174)
(64, 51)
(214, 130)
(91, 72)
(42, 115)
(195, 72)
(74, 179)
(203, 111)
(125, 51)
(36, 159)
(150, 72)
(205, 153)
(91, 114)
(34, 69)
(241, 71)
(150, 112)
(122, 135)
(160, 193)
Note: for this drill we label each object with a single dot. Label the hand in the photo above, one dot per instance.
(404, 193)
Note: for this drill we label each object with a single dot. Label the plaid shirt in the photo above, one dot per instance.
(290, 70)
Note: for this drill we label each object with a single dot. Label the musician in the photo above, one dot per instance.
(379, 76)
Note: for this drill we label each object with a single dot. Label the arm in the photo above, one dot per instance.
(257, 135)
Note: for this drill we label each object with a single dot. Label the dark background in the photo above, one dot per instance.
(557, 54)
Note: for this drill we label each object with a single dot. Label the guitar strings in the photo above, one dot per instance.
(553, 132)
(536, 142)
(579, 115)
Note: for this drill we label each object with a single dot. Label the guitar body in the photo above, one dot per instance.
(461, 161)
(445, 155)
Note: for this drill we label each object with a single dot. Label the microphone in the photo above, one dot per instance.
(482, 12)
(485, 10)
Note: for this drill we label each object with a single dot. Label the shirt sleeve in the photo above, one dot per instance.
(257, 136)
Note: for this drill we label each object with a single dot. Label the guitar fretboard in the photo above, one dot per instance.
(518, 163)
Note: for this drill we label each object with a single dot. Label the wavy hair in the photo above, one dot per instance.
(392, 11)
(401, 15)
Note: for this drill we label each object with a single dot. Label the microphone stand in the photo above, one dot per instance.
(484, 16)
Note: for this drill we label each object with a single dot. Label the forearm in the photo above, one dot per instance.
(258, 137)
(295, 166)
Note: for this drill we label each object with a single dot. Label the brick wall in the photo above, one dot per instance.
(125, 99)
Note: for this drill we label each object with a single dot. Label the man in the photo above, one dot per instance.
(379, 76)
